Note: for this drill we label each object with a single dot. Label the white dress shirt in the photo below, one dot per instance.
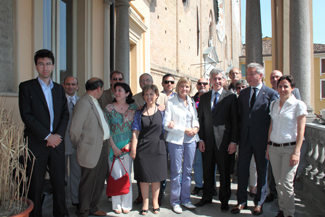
(284, 121)
(102, 118)
(47, 90)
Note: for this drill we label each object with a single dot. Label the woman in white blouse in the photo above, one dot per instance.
(286, 135)
(182, 125)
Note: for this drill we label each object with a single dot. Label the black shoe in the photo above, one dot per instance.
(196, 191)
(215, 192)
(203, 202)
(224, 207)
(270, 198)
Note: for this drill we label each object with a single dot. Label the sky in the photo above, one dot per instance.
(318, 20)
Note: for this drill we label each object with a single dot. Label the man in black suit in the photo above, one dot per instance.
(43, 109)
(218, 119)
(254, 111)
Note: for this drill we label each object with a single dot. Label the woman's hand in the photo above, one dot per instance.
(171, 125)
(126, 148)
(294, 159)
(133, 154)
(191, 131)
(117, 151)
(161, 107)
(267, 153)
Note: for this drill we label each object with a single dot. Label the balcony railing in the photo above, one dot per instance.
(314, 172)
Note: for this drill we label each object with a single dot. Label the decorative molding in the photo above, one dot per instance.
(108, 2)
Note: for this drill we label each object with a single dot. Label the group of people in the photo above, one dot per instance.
(109, 130)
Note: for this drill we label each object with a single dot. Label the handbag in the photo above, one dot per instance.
(119, 186)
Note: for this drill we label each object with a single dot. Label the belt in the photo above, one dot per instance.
(283, 144)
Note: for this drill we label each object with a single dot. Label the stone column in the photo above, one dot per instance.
(122, 50)
(253, 32)
(300, 49)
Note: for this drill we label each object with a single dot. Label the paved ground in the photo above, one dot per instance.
(305, 206)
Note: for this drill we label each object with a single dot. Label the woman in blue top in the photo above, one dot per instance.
(149, 148)
(120, 116)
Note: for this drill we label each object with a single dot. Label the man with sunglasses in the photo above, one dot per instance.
(234, 75)
(168, 83)
(202, 86)
(108, 95)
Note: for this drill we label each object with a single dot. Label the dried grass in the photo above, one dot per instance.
(14, 184)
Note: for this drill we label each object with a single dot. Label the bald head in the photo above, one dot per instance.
(202, 86)
(274, 77)
(235, 75)
(94, 87)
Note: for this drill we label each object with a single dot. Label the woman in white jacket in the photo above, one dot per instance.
(181, 124)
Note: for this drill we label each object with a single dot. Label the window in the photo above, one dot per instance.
(57, 36)
(243, 70)
(322, 88)
(322, 66)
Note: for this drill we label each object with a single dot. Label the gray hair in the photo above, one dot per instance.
(145, 74)
(241, 81)
(259, 68)
(217, 71)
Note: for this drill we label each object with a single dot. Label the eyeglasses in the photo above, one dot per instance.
(117, 79)
(204, 83)
(48, 64)
(241, 87)
(166, 82)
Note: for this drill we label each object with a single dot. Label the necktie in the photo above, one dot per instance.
(215, 103)
(253, 97)
(71, 103)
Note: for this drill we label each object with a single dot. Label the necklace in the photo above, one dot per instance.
(150, 120)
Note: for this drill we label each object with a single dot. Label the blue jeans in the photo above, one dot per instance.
(198, 169)
(180, 191)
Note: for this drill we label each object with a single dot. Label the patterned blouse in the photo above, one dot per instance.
(120, 126)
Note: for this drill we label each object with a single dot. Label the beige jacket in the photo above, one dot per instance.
(86, 132)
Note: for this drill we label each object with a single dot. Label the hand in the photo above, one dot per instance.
(232, 148)
(294, 159)
(117, 151)
(201, 146)
(267, 153)
(140, 107)
(161, 107)
(191, 131)
(132, 154)
(126, 148)
(53, 140)
(171, 125)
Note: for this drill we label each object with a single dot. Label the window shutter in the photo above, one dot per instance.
(323, 89)
(323, 66)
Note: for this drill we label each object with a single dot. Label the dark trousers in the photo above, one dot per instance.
(271, 181)
(210, 158)
(245, 155)
(92, 184)
(56, 163)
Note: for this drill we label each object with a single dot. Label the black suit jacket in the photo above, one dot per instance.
(255, 123)
(219, 128)
(36, 116)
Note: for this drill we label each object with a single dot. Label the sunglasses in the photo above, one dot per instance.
(117, 79)
(241, 87)
(204, 83)
(166, 82)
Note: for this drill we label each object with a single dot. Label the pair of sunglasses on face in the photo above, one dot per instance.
(202, 83)
(167, 82)
(117, 79)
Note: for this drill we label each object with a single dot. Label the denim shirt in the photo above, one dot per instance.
(136, 125)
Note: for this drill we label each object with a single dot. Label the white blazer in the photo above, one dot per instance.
(176, 112)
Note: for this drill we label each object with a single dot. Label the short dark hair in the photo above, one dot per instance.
(94, 83)
(167, 75)
(42, 54)
(127, 89)
(289, 78)
(70, 77)
(116, 72)
(153, 87)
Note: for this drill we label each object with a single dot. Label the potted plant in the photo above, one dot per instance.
(14, 154)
